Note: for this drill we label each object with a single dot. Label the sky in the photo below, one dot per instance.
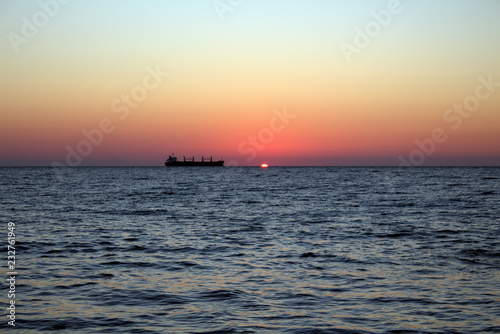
(287, 82)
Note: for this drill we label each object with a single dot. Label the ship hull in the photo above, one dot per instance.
(194, 164)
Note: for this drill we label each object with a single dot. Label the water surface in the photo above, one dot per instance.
(251, 250)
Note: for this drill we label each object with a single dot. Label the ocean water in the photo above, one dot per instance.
(251, 250)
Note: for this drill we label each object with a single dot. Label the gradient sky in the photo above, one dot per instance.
(230, 72)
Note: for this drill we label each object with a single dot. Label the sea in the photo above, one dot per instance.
(251, 250)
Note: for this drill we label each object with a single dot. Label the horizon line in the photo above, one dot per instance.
(257, 166)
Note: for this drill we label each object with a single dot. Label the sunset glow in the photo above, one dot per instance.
(287, 82)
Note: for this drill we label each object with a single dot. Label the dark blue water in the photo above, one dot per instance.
(250, 250)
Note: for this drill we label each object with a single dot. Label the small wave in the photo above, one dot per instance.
(184, 249)
(397, 235)
(142, 212)
(399, 204)
(216, 249)
(446, 231)
(53, 251)
(221, 295)
(479, 256)
(225, 330)
(257, 189)
(335, 330)
(33, 245)
(332, 257)
(479, 252)
(489, 192)
(76, 245)
(114, 263)
(330, 289)
(55, 324)
(130, 264)
(170, 193)
(102, 275)
(403, 300)
(111, 322)
(252, 202)
(138, 297)
(452, 185)
(187, 264)
(136, 248)
(72, 286)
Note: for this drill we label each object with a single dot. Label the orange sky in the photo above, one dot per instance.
(229, 77)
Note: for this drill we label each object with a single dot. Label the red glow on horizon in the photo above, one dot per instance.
(264, 165)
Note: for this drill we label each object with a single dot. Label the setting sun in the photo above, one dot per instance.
(264, 165)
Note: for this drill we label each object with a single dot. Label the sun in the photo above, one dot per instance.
(264, 165)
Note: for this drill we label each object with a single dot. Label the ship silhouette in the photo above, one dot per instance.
(173, 162)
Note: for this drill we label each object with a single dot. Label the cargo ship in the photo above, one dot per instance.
(173, 162)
